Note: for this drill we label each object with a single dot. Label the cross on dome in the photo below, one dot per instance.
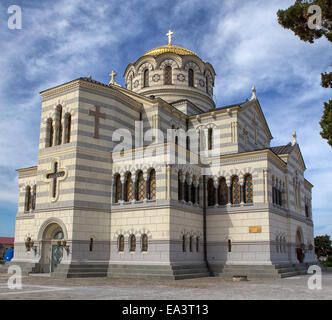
(112, 75)
(169, 35)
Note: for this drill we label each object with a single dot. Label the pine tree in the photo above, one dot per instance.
(296, 18)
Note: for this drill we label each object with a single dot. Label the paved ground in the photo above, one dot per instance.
(295, 288)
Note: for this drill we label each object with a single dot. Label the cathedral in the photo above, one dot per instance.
(154, 180)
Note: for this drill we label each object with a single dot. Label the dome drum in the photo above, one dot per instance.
(173, 73)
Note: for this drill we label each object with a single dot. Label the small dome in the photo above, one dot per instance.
(170, 48)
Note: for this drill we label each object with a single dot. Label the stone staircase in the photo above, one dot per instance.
(263, 271)
(173, 272)
(25, 267)
(80, 271)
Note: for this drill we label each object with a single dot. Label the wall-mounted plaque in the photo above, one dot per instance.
(255, 229)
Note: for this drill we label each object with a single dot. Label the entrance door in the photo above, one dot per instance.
(56, 257)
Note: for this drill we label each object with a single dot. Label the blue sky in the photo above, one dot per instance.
(65, 39)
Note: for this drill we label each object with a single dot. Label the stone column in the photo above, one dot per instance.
(146, 179)
(182, 179)
(196, 193)
(189, 182)
(216, 184)
(135, 189)
(241, 181)
(229, 186)
(122, 179)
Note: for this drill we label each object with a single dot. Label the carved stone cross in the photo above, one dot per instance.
(245, 135)
(97, 115)
(53, 178)
(112, 75)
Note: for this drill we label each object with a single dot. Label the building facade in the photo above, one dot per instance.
(154, 179)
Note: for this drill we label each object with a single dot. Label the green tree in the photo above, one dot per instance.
(296, 18)
(323, 246)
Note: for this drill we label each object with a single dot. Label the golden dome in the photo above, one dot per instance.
(170, 48)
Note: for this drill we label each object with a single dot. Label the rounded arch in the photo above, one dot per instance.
(299, 236)
(192, 65)
(169, 63)
(50, 227)
(145, 66)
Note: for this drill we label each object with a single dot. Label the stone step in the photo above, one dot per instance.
(289, 274)
(86, 270)
(85, 275)
(79, 266)
(249, 272)
(142, 275)
(192, 276)
(158, 267)
(175, 272)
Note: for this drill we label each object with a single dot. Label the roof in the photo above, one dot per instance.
(170, 48)
(286, 149)
(88, 79)
(6, 240)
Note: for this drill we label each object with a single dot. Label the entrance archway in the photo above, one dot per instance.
(51, 252)
(299, 243)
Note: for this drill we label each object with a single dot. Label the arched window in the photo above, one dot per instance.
(248, 189)
(236, 191)
(211, 193)
(229, 245)
(146, 77)
(140, 187)
(284, 244)
(222, 192)
(198, 194)
(280, 198)
(58, 235)
(67, 127)
(168, 75)
(188, 143)
(193, 193)
(132, 243)
(202, 140)
(27, 198)
(118, 189)
(34, 196)
(121, 243)
(152, 185)
(197, 244)
(91, 244)
(207, 84)
(58, 125)
(144, 243)
(49, 133)
(191, 239)
(210, 138)
(184, 243)
(129, 188)
(186, 191)
(180, 195)
(191, 77)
